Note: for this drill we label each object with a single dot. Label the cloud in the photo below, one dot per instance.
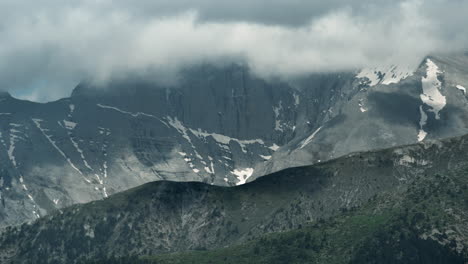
(47, 49)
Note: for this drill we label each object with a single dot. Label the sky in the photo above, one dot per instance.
(48, 46)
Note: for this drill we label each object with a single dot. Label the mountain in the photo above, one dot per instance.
(390, 106)
(220, 125)
(364, 206)
(412, 229)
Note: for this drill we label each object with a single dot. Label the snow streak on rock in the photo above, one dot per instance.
(310, 138)
(37, 122)
(221, 139)
(106, 132)
(175, 123)
(210, 170)
(225, 140)
(422, 134)
(274, 147)
(15, 136)
(70, 126)
(138, 114)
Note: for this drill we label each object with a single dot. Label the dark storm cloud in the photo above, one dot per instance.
(47, 46)
(285, 12)
(273, 12)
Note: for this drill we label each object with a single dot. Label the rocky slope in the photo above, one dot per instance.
(417, 227)
(171, 217)
(218, 125)
(391, 106)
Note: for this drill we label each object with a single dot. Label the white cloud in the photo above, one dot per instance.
(58, 49)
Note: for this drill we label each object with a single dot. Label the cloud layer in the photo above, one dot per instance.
(46, 49)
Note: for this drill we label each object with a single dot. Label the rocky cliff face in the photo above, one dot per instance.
(221, 126)
(100, 141)
(387, 107)
(167, 216)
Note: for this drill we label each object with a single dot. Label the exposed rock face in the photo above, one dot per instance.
(98, 142)
(385, 111)
(220, 126)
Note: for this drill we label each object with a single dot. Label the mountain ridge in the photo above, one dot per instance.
(222, 126)
(164, 217)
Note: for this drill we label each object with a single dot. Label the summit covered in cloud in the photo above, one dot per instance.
(50, 46)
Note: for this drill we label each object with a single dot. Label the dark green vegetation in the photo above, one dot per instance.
(400, 205)
(413, 228)
(382, 231)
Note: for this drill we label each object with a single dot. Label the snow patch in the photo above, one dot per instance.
(224, 139)
(265, 157)
(395, 74)
(406, 160)
(385, 75)
(89, 232)
(69, 125)
(361, 106)
(189, 162)
(371, 75)
(210, 169)
(243, 175)
(461, 88)
(431, 95)
(274, 147)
